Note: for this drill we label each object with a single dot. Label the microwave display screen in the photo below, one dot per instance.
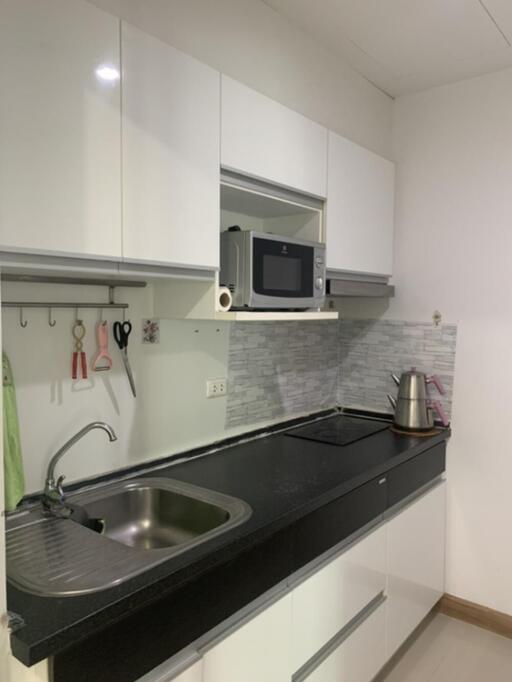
(282, 273)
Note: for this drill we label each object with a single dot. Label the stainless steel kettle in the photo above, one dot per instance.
(414, 410)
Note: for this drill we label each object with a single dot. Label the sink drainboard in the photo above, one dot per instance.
(146, 522)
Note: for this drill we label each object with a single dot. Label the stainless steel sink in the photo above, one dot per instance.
(151, 516)
(145, 521)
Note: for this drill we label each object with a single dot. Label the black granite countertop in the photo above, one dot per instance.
(282, 478)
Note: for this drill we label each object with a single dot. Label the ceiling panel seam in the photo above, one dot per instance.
(494, 21)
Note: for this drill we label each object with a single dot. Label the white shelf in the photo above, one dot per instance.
(252, 316)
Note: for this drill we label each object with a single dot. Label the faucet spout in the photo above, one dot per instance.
(53, 493)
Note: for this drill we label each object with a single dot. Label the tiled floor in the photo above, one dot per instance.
(448, 650)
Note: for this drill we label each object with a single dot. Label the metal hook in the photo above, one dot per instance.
(124, 314)
(51, 322)
(23, 323)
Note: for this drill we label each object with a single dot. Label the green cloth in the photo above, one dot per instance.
(13, 462)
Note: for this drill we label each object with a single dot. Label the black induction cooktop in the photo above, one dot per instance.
(339, 430)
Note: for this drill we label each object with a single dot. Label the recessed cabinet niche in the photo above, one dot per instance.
(267, 209)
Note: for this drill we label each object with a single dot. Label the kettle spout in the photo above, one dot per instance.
(395, 379)
(392, 401)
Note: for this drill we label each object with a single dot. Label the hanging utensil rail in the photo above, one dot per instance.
(41, 279)
(45, 304)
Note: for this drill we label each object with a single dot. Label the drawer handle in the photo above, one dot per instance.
(382, 480)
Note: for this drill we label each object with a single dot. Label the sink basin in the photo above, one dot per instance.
(153, 517)
(144, 522)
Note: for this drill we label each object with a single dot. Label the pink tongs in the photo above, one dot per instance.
(102, 355)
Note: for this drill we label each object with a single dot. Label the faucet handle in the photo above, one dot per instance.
(59, 488)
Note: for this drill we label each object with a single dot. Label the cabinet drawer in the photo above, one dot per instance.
(416, 557)
(359, 657)
(329, 599)
(417, 472)
(256, 652)
(328, 526)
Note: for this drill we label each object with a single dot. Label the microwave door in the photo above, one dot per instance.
(282, 274)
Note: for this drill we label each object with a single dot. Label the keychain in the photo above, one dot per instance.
(78, 334)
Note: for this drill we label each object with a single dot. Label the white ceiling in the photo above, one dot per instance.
(408, 45)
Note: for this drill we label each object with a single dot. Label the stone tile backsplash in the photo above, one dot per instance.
(371, 349)
(281, 369)
(290, 368)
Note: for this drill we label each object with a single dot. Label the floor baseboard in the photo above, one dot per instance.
(482, 616)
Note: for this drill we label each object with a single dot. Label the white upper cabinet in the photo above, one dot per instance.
(360, 209)
(171, 164)
(268, 141)
(60, 127)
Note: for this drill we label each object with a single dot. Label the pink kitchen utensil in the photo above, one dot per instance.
(102, 361)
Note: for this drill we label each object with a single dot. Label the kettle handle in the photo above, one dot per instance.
(436, 404)
(395, 379)
(392, 401)
(434, 379)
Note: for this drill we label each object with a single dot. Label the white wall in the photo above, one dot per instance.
(453, 146)
(171, 412)
(249, 41)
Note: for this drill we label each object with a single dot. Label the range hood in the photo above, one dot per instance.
(338, 285)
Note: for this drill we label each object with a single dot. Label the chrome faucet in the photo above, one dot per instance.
(53, 496)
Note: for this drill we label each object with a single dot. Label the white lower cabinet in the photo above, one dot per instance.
(324, 603)
(259, 651)
(360, 656)
(416, 564)
(344, 621)
(192, 674)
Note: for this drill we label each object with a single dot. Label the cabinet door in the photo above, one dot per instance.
(171, 165)
(324, 603)
(266, 140)
(359, 657)
(192, 674)
(258, 651)
(60, 128)
(416, 561)
(360, 209)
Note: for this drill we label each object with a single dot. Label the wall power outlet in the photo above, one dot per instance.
(215, 388)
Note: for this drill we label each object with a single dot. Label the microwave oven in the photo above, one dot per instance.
(272, 272)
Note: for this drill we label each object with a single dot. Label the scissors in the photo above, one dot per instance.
(122, 331)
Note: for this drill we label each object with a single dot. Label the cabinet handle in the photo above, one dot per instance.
(383, 480)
